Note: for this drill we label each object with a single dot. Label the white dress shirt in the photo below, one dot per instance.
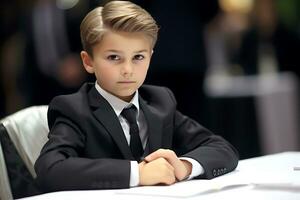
(118, 105)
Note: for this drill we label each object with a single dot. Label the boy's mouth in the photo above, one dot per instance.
(126, 82)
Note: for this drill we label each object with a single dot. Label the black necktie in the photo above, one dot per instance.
(135, 142)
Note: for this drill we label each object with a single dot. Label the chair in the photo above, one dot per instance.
(22, 136)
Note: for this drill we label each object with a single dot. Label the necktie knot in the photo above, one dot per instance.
(129, 114)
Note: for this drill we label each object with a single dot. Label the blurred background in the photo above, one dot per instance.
(232, 64)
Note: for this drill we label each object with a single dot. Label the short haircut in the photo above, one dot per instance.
(121, 16)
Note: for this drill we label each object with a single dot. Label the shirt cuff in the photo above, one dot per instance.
(134, 174)
(197, 169)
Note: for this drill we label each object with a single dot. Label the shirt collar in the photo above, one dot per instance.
(116, 103)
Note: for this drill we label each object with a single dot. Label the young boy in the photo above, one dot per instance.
(95, 144)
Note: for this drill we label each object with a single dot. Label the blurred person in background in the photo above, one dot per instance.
(268, 45)
(37, 46)
(246, 39)
(223, 36)
(51, 63)
(232, 115)
(250, 37)
(11, 54)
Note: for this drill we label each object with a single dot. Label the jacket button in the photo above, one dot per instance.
(214, 172)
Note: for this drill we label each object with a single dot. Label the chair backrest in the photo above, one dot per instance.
(5, 191)
(28, 130)
(23, 135)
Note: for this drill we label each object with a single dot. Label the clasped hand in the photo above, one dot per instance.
(163, 167)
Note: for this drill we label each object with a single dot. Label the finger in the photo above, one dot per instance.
(162, 153)
(166, 164)
(169, 180)
(153, 156)
(168, 171)
(170, 157)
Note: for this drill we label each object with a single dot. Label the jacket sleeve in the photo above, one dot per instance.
(214, 153)
(60, 166)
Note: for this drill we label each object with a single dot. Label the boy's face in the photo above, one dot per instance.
(120, 62)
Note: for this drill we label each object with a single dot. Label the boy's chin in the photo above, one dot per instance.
(126, 96)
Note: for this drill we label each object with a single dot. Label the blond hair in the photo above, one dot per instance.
(121, 16)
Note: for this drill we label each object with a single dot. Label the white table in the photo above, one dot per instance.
(268, 177)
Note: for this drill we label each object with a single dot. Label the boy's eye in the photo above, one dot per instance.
(138, 57)
(113, 57)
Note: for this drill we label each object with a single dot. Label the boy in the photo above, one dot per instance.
(99, 134)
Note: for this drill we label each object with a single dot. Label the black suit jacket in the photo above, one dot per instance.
(87, 148)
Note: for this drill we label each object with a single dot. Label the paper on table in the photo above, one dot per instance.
(184, 189)
(229, 181)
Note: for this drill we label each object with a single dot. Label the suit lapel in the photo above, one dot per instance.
(154, 125)
(105, 114)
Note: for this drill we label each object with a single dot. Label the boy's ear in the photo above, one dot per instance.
(87, 62)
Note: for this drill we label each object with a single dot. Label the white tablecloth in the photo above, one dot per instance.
(269, 177)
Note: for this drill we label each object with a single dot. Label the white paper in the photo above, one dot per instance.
(185, 189)
(256, 180)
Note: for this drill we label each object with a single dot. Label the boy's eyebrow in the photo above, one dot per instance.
(113, 51)
(141, 51)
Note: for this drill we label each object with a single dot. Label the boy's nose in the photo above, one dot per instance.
(127, 68)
